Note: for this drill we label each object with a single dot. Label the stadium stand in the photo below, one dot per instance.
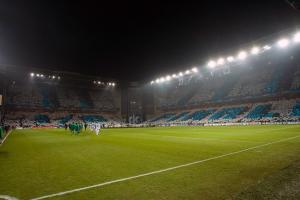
(295, 86)
(296, 110)
(257, 91)
(179, 116)
(198, 115)
(259, 111)
(164, 117)
(93, 118)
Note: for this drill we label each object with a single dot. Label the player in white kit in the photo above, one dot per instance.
(96, 127)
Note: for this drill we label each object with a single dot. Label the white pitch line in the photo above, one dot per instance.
(5, 138)
(207, 139)
(160, 171)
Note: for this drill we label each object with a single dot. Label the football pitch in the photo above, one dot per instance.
(169, 163)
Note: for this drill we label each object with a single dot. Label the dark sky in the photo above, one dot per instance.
(133, 41)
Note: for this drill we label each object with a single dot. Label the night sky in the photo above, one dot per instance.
(132, 41)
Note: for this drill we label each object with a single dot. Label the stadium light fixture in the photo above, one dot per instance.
(297, 37)
(211, 64)
(162, 79)
(187, 72)
(32, 74)
(255, 50)
(195, 69)
(180, 74)
(157, 80)
(221, 61)
(53, 77)
(267, 47)
(283, 43)
(168, 78)
(42, 75)
(38, 75)
(242, 55)
(99, 82)
(174, 75)
(151, 82)
(113, 84)
(230, 59)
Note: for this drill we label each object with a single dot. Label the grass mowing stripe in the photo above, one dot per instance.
(160, 171)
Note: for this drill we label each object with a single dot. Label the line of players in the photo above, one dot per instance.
(76, 128)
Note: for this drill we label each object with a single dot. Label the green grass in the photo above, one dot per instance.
(39, 162)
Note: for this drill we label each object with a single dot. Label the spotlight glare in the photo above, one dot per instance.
(32, 74)
(255, 50)
(38, 75)
(151, 82)
(187, 72)
(157, 81)
(221, 61)
(58, 78)
(283, 43)
(99, 82)
(230, 59)
(168, 78)
(162, 79)
(53, 77)
(42, 75)
(297, 37)
(195, 69)
(211, 64)
(242, 55)
(113, 84)
(174, 75)
(180, 74)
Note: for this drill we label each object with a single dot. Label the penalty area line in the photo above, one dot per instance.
(161, 170)
(4, 138)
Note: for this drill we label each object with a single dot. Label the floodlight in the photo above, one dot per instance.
(187, 72)
(221, 61)
(195, 69)
(242, 55)
(283, 43)
(267, 47)
(32, 74)
(162, 79)
(230, 59)
(211, 64)
(99, 82)
(151, 82)
(157, 80)
(255, 50)
(180, 74)
(297, 37)
(53, 77)
(174, 75)
(38, 75)
(113, 84)
(168, 78)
